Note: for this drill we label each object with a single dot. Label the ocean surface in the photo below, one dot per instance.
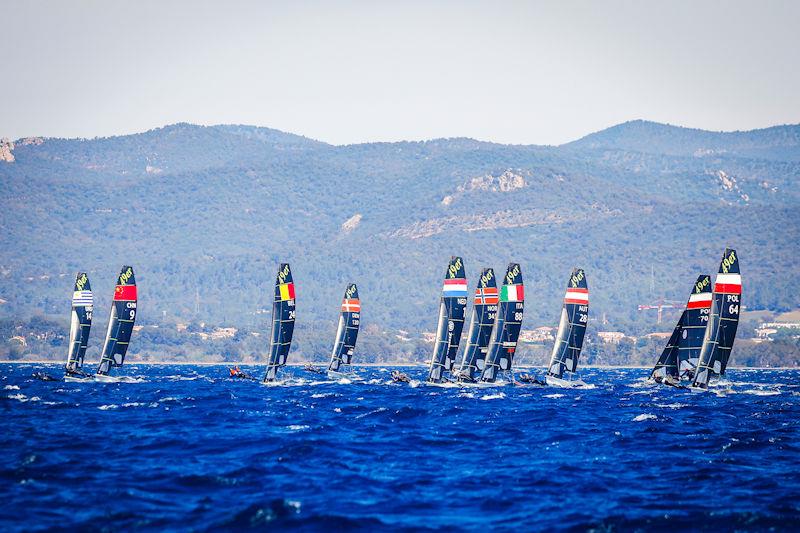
(188, 448)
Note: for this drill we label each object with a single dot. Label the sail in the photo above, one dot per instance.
(347, 332)
(503, 342)
(120, 324)
(722, 321)
(693, 328)
(484, 313)
(571, 327)
(282, 322)
(667, 364)
(451, 320)
(80, 322)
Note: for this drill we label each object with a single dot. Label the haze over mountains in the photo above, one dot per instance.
(205, 214)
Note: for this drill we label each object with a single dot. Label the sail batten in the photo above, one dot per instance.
(571, 326)
(722, 322)
(504, 337)
(80, 323)
(452, 308)
(347, 330)
(283, 316)
(120, 323)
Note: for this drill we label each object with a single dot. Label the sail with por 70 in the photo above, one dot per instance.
(120, 323)
(722, 321)
(347, 332)
(451, 320)
(693, 326)
(283, 310)
(484, 313)
(503, 342)
(571, 327)
(80, 323)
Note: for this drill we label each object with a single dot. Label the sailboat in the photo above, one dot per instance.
(722, 322)
(503, 342)
(80, 325)
(451, 320)
(120, 325)
(282, 322)
(484, 313)
(571, 331)
(346, 333)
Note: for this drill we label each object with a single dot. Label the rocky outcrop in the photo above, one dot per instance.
(508, 181)
(6, 150)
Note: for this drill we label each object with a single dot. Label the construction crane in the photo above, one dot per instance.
(660, 305)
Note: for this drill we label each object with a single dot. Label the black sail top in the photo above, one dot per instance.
(572, 326)
(484, 314)
(80, 322)
(503, 342)
(722, 322)
(451, 320)
(347, 332)
(120, 324)
(667, 364)
(693, 326)
(282, 321)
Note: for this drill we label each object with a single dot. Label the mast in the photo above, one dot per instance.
(572, 326)
(693, 328)
(484, 313)
(347, 332)
(120, 323)
(503, 342)
(722, 321)
(80, 322)
(282, 322)
(451, 320)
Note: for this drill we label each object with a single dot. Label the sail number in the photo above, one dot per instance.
(518, 317)
(291, 314)
(583, 318)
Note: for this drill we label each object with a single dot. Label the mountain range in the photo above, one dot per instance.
(205, 214)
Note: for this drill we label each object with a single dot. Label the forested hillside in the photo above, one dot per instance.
(205, 214)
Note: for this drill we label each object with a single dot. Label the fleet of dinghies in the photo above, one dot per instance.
(696, 354)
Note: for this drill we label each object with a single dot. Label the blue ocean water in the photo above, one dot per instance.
(187, 448)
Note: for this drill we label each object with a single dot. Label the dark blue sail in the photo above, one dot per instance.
(80, 323)
(347, 332)
(722, 322)
(451, 320)
(503, 342)
(666, 369)
(120, 324)
(571, 327)
(282, 322)
(693, 327)
(484, 314)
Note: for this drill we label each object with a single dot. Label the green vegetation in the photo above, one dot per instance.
(205, 214)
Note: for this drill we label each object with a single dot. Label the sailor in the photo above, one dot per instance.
(400, 377)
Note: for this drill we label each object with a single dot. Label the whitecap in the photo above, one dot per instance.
(10, 387)
(761, 392)
(497, 396)
(337, 410)
(322, 395)
(553, 395)
(297, 427)
(672, 405)
(643, 417)
(109, 406)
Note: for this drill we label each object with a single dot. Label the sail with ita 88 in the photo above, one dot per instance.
(120, 324)
(80, 326)
(283, 310)
(503, 342)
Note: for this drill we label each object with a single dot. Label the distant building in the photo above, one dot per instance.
(611, 337)
(538, 335)
(658, 335)
(428, 336)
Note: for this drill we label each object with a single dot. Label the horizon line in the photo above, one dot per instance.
(399, 141)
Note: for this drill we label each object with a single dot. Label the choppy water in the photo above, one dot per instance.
(189, 448)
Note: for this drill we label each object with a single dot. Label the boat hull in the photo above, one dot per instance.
(563, 383)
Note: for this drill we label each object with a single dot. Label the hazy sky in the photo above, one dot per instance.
(515, 72)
